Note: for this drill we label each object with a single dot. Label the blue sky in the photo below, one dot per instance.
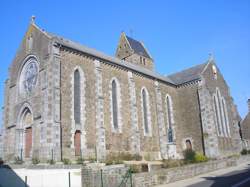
(178, 33)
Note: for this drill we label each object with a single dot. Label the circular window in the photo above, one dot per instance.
(29, 75)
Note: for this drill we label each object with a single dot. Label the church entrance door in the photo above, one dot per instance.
(28, 142)
(77, 140)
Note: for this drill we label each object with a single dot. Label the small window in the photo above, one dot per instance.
(144, 61)
(214, 71)
(188, 145)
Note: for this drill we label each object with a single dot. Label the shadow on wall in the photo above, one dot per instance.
(8, 178)
(229, 179)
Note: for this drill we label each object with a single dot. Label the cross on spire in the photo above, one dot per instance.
(210, 57)
(33, 19)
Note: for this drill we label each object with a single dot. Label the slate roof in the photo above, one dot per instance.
(188, 75)
(109, 59)
(184, 76)
(138, 47)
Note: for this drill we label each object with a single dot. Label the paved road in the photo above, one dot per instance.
(238, 176)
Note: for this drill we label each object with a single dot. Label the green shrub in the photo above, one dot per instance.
(234, 156)
(113, 159)
(66, 161)
(124, 156)
(248, 151)
(18, 160)
(170, 163)
(137, 157)
(243, 152)
(118, 158)
(128, 157)
(51, 162)
(148, 157)
(200, 158)
(92, 159)
(80, 160)
(35, 161)
(189, 156)
(135, 168)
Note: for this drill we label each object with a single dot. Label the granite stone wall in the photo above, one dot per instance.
(112, 175)
(52, 106)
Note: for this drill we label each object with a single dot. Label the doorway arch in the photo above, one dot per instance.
(24, 136)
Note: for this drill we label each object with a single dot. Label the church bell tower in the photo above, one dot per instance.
(134, 52)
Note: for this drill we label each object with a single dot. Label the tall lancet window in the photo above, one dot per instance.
(77, 97)
(145, 111)
(220, 112)
(217, 115)
(170, 119)
(114, 105)
(224, 107)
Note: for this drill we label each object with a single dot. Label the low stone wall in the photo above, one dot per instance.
(243, 159)
(96, 175)
(164, 176)
(112, 175)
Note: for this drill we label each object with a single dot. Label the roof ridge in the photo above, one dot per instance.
(188, 75)
(188, 68)
(79, 47)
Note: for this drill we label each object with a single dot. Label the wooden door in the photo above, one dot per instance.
(77, 140)
(28, 142)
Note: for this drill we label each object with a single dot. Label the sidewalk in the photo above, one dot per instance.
(200, 178)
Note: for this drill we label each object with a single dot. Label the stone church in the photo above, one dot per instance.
(65, 100)
(245, 129)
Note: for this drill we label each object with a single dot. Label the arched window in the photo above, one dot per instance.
(77, 97)
(146, 114)
(220, 112)
(145, 110)
(169, 117)
(217, 115)
(114, 105)
(224, 107)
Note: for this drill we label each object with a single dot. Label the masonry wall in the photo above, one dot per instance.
(114, 141)
(189, 112)
(227, 145)
(112, 175)
(69, 62)
(37, 44)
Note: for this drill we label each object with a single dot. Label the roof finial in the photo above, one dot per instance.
(33, 19)
(210, 57)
